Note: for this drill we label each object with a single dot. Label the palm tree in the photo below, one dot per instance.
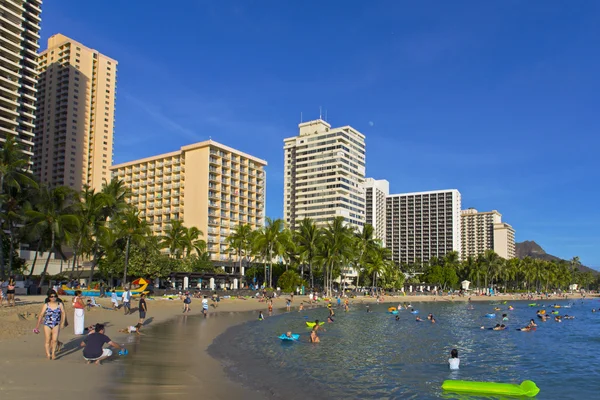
(55, 216)
(307, 238)
(270, 242)
(365, 244)
(131, 229)
(335, 249)
(491, 261)
(239, 242)
(192, 241)
(13, 178)
(378, 263)
(175, 238)
(13, 166)
(115, 195)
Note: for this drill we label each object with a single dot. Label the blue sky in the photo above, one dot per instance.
(497, 99)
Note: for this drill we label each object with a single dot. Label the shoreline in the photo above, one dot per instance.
(26, 373)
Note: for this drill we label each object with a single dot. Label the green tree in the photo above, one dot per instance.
(131, 229)
(289, 281)
(54, 215)
(240, 243)
(175, 239)
(308, 238)
(270, 242)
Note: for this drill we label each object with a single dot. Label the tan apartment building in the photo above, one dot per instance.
(207, 185)
(20, 26)
(75, 115)
(376, 192)
(481, 231)
(423, 225)
(324, 172)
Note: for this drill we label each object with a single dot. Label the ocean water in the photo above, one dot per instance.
(372, 356)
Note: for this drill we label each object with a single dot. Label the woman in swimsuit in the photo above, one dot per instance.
(10, 292)
(52, 314)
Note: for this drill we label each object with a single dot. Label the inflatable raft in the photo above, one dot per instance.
(394, 312)
(295, 336)
(526, 388)
(311, 324)
(490, 315)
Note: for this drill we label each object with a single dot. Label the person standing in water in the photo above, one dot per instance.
(454, 361)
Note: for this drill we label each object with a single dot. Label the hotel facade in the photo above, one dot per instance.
(423, 225)
(376, 192)
(20, 23)
(483, 231)
(75, 115)
(324, 173)
(207, 185)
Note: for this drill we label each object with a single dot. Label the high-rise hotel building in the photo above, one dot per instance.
(20, 26)
(207, 185)
(483, 231)
(324, 172)
(75, 115)
(376, 192)
(423, 225)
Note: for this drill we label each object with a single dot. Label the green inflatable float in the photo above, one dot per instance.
(311, 324)
(526, 388)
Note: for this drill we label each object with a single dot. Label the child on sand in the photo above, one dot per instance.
(454, 361)
(114, 300)
(132, 329)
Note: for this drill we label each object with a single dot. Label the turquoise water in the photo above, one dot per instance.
(373, 356)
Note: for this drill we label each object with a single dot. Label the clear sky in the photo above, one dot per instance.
(499, 99)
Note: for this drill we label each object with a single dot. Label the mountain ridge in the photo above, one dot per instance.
(530, 248)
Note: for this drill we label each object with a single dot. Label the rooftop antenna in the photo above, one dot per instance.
(325, 114)
(320, 112)
(300, 116)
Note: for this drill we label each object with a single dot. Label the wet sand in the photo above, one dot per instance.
(27, 374)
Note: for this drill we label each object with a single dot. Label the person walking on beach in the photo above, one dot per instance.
(142, 308)
(10, 292)
(93, 344)
(53, 316)
(79, 313)
(187, 300)
(204, 306)
(126, 297)
(114, 300)
(270, 307)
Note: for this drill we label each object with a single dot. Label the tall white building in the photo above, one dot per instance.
(376, 192)
(324, 174)
(423, 225)
(483, 231)
(20, 25)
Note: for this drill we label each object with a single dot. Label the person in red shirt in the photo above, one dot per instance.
(79, 307)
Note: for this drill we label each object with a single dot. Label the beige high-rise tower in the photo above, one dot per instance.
(20, 23)
(324, 175)
(75, 115)
(483, 231)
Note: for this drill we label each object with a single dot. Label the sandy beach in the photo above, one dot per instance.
(27, 374)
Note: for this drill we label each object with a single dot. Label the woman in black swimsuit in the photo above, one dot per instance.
(10, 292)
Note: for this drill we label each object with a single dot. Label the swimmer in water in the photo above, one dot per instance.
(301, 308)
(510, 308)
(567, 316)
(329, 319)
(532, 324)
(498, 327)
(289, 335)
(397, 318)
(260, 316)
(429, 316)
(432, 319)
(368, 309)
(331, 313)
(504, 317)
(558, 318)
(418, 319)
(313, 337)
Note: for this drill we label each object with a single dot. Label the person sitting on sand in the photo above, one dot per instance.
(454, 361)
(93, 350)
(132, 329)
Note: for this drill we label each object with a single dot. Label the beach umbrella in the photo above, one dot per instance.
(140, 281)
